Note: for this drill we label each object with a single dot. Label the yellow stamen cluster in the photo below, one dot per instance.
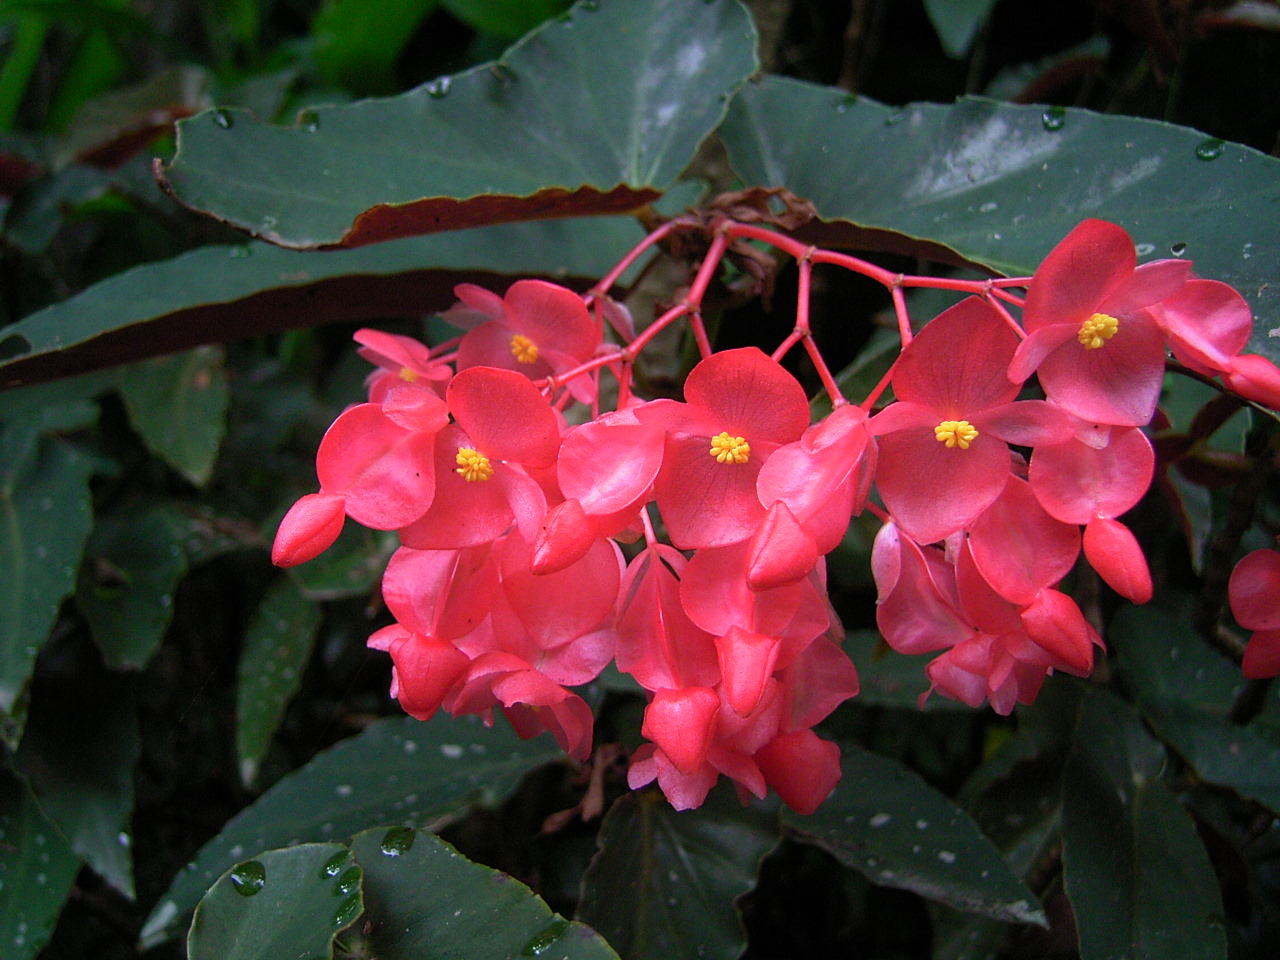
(1097, 330)
(473, 465)
(524, 349)
(727, 449)
(407, 375)
(955, 433)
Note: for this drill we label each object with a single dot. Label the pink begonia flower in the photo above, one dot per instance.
(1018, 547)
(399, 360)
(481, 486)
(739, 407)
(943, 446)
(538, 329)
(802, 768)
(309, 528)
(1078, 483)
(1095, 349)
(1254, 593)
(812, 488)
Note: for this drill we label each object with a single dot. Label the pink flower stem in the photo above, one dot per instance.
(801, 330)
(609, 279)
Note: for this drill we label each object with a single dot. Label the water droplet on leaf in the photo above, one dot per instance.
(397, 840)
(347, 911)
(223, 119)
(333, 866)
(439, 87)
(1211, 149)
(348, 883)
(1054, 118)
(248, 878)
(1178, 249)
(309, 120)
(541, 942)
(241, 251)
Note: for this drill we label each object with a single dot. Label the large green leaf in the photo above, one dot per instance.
(999, 185)
(595, 112)
(36, 871)
(283, 903)
(425, 901)
(397, 771)
(1135, 870)
(664, 882)
(276, 648)
(221, 293)
(79, 750)
(44, 520)
(888, 824)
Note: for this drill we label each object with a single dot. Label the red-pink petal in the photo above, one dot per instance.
(749, 395)
(1114, 552)
(802, 768)
(1254, 591)
(308, 529)
(504, 415)
(681, 723)
(1087, 266)
(746, 662)
(1077, 483)
(957, 364)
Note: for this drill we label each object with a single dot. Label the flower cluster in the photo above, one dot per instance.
(511, 585)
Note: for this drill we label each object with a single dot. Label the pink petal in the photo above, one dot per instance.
(1086, 267)
(706, 503)
(1254, 591)
(553, 317)
(1114, 552)
(802, 768)
(746, 662)
(1118, 383)
(1262, 655)
(308, 529)
(681, 723)
(1077, 483)
(749, 395)
(1019, 547)
(504, 415)
(957, 364)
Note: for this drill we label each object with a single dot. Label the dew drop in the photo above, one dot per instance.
(343, 790)
(1144, 249)
(439, 87)
(946, 856)
(1054, 118)
(333, 866)
(248, 878)
(1210, 149)
(410, 746)
(347, 911)
(988, 207)
(241, 251)
(451, 750)
(541, 942)
(842, 104)
(348, 883)
(309, 120)
(922, 824)
(397, 840)
(1178, 249)
(223, 119)
(879, 820)
(895, 118)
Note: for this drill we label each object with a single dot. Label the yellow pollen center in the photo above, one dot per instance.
(727, 449)
(407, 375)
(473, 465)
(955, 433)
(524, 349)
(1097, 330)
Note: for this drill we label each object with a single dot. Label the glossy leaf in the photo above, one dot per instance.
(648, 81)
(282, 903)
(1137, 875)
(79, 752)
(397, 771)
(276, 649)
(179, 406)
(888, 824)
(134, 563)
(36, 871)
(664, 882)
(222, 293)
(425, 901)
(889, 679)
(44, 520)
(999, 185)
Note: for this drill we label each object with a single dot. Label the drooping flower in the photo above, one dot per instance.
(1254, 592)
(1094, 347)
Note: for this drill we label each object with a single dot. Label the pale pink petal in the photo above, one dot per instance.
(1088, 265)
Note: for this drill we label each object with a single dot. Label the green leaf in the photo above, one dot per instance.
(134, 563)
(283, 903)
(397, 771)
(357, 42)
(596, 112)
(276, 648)
(664, 882)
(352, 567)
(890, 679)
(888, 824)
(999, 185)
(36, 872)
(505, 18)
(426, 901)
(1136, 873)
(221, 293)
(79, 750)
(1185, 690)
(957, 22)
(179, 406)
(44, 520)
